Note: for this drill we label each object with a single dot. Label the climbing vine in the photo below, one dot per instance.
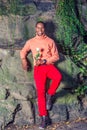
(71, 33)
(69, 25)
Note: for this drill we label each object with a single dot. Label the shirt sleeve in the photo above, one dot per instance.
(25, 50)
(54, 54)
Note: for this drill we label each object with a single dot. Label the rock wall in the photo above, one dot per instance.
(16, 29)
(17, 90)
(18, 99)
(82, 9)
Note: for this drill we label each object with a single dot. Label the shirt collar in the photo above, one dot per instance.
(41, 37)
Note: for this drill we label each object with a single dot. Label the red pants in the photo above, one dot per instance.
(41, 73)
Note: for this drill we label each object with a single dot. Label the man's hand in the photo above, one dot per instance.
(25, 65)
(40, 62)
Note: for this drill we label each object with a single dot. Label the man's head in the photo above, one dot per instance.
(40, 28)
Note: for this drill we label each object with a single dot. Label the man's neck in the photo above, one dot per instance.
(41, 37)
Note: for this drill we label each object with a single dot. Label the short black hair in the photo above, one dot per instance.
(40, 22)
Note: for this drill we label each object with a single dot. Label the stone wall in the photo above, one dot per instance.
(18, 87)
(16, 29)
(18, 97)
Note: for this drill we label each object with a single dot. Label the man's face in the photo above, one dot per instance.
(40, 30)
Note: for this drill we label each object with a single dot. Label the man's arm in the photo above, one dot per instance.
(23, 54)
(55, 55)
(53, 58)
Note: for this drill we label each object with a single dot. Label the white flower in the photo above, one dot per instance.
(37, 49)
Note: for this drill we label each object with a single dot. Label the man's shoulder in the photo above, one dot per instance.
(30, 40)
(50, 39)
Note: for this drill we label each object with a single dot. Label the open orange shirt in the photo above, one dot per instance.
(46, 47)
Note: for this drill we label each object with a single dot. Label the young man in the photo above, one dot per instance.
(45, 54)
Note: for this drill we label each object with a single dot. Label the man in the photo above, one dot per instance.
(45, 54)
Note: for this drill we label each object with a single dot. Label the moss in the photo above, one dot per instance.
(5, 76)
(6, 111)
(3, 111)
(66, 98)
(29, 9)
(13, 103)
(2, 93)
(30, 73)
(17, 8)
(40, 19)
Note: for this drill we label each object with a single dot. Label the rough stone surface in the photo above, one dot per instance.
(82, 8)
(17, 91)
(16, 29)
(18, 100)
(18, 95)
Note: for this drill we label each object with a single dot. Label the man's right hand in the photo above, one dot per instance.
(25, 65)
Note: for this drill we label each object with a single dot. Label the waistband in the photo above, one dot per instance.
(43, 65)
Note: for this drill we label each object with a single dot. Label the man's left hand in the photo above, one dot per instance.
(40, 62)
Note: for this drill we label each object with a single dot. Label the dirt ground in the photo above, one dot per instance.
(79, 124)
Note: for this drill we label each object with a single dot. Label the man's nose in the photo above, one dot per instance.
(39, 28)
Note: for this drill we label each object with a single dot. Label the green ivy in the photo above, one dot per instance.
(68, 23)
(81, 90)
(70, 35)
(70, 31)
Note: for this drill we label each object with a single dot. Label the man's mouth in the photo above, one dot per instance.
(40, 33)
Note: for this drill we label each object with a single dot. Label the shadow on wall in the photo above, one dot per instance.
(68, 80)
(50, 29)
